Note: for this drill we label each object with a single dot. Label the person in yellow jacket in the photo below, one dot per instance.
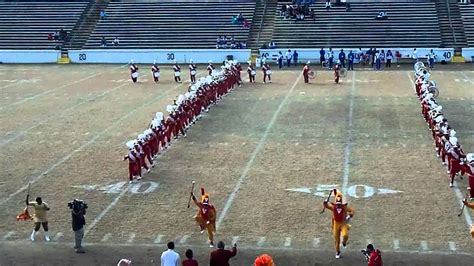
(341, 214)
(470, 206)
(206, 216)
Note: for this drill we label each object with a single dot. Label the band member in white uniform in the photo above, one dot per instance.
(210, 67)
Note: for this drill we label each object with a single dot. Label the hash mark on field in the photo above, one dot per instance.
(184, 239)
(158, 239)
(8, 235)
(131, 238)
(424, 245)
(452, 246)
(288, 242)
(58, 236)
(261, 241)
(316, 242)
(396, 244)
(106, 237)
(235, 239)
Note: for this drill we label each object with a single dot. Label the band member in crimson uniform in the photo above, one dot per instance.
(133, 71)
(238, 68)
(133, 165)
(337, 68)
(155, 71)
(192, 71)
(267, 72)
(210, 67)
(306, 70)
(252, 73)
(177, 72)
(141, 157)
(469, 169)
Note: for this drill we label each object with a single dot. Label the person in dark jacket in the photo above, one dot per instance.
(322, 56)
(295, 57)
(342, 58)
(220, 256)
(78, 221)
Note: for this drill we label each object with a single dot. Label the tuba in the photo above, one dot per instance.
(312, 74)
(433, 89)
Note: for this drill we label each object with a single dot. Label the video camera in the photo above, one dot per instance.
(77, 204)
(366, 254)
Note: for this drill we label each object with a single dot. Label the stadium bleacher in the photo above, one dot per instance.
(409, 24)
(467, 14)
(172, 24)
(25, 25)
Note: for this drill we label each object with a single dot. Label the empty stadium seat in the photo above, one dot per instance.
(467, 14)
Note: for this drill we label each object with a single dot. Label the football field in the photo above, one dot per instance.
(267, 153)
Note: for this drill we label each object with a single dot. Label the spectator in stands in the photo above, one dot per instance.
(234, 20)
(295, 57)
(381, 16)
(116, 41)
(322, 56)
(62, 34)
(328, 4)
(288, 57)
(240, 18)
(103, 14)
(189, 261)
(50, 36)
(233, 45)
(103, 42)
(218, 42)
(283, 10)
(246, 24)
(311, 14)
(244, 45)
(271, 45)
(388, 59)
(342, 58)
(350, 60)
(348, 7)
(56, 36)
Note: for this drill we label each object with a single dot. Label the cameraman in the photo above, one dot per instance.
(78, 210)
(374, 256)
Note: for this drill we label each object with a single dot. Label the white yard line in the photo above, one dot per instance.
(350, 133)
(457, 191)
(85, 145)
(257, 149)
(55, 89)
(7, 140)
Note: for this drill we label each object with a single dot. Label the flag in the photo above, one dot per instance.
(24, 215)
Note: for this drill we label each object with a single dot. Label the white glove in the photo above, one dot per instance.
(348, 217)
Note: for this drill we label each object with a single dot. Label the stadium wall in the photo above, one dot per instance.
(29, 56)
(124, 56)
(468, 54)
(305, 55)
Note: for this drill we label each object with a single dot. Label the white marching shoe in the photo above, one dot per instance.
(338, 255)
(33, 235)
(46, 236)
(450, 184)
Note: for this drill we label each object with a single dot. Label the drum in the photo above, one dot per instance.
(135, 75)
(193, 72)
(433, 90)
(269, 72)
(156, 74)
(312, 74)
(177, 74)
(253, 73)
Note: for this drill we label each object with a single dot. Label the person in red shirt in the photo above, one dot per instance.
(220, 256)
(337, 69)
(189, 261)
(374, 256)
(306, 70)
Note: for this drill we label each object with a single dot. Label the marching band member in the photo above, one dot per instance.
(341, 214)
(155, 71)
(206, 215)
(337, 69)
(133, 164)
(210, 67)
(141, 158)
(469, 169)
(252, 73)
(306, 71)
(177, 72)
(192, 71)
(133, 71)
(267, 72)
